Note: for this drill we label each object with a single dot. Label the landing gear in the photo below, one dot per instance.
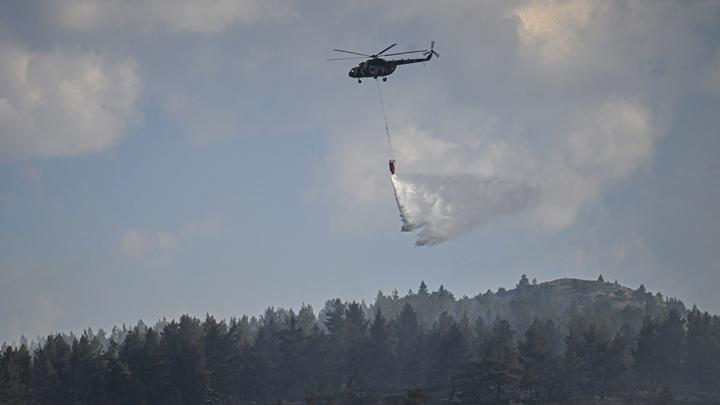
(359, 81)
(384, 79)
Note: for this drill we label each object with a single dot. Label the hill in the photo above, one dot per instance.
(566, 300)
(564, 340)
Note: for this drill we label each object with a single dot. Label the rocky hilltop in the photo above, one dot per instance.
(565, 300)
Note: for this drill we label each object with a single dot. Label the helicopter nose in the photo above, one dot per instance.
(351, 73)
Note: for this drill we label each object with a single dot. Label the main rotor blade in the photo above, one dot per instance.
(381, 52)
(403, 53)
(354, 53)
(352, 57)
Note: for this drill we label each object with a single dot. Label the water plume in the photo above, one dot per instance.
(442, 206)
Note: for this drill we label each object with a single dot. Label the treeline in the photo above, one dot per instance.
(609, 304)
(345, 356)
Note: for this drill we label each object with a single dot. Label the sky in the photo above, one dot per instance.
(162, 157)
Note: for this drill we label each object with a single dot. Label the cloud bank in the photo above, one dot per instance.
(142, 244)
(166, 15)
(63, 103)
(571, 98)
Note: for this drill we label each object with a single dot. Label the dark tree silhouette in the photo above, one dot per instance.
(539, 362)
(409, 347)
(500, 365)
(419, 348)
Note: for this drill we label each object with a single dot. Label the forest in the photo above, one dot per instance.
(558, 341)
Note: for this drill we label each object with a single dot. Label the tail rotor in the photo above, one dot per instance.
(432, 52)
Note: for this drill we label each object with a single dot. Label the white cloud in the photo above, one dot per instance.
(170, 15)
(645, 46)
(141, 244)
(602, 144)
(555, 27)
(570, 97)
(595, 146)
(585, 151)
(63, 103)
(611, 140)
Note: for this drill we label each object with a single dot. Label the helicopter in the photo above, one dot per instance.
(376, 66)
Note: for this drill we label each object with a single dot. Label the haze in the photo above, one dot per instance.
(165, 157)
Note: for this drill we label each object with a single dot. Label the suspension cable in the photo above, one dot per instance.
(387, 129)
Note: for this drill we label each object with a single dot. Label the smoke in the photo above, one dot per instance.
(441, 206)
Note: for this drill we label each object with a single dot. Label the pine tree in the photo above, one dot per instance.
(51, 374)
(14, 375)
(181, 345)
(117, 379)
(647, 362)
(617, 362)
(379, 330)
(672, 333)
(265, 357)
(149, 370)
(218, 357)
(469, 338)
(128, 362)
(480, 329)
(553, 337)
(292, 370)
(572, 360)
(443, 295)
(23, 359)
(659, 349)
(448, 353)
(334, 322)
(702, 350)
(354, 344)
(423, 290)
(46, 382)
(355, 322)
(500, 361)
(524, 282)
(306, 319)
(538, 361)
(409, 346)
(381, 357)
(86, 370)
(593, 352)
(335, 318)
(236, 380)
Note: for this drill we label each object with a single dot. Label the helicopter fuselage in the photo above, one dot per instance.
(376, 67)
(379, 67)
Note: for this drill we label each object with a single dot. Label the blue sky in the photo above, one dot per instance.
(161, 157)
